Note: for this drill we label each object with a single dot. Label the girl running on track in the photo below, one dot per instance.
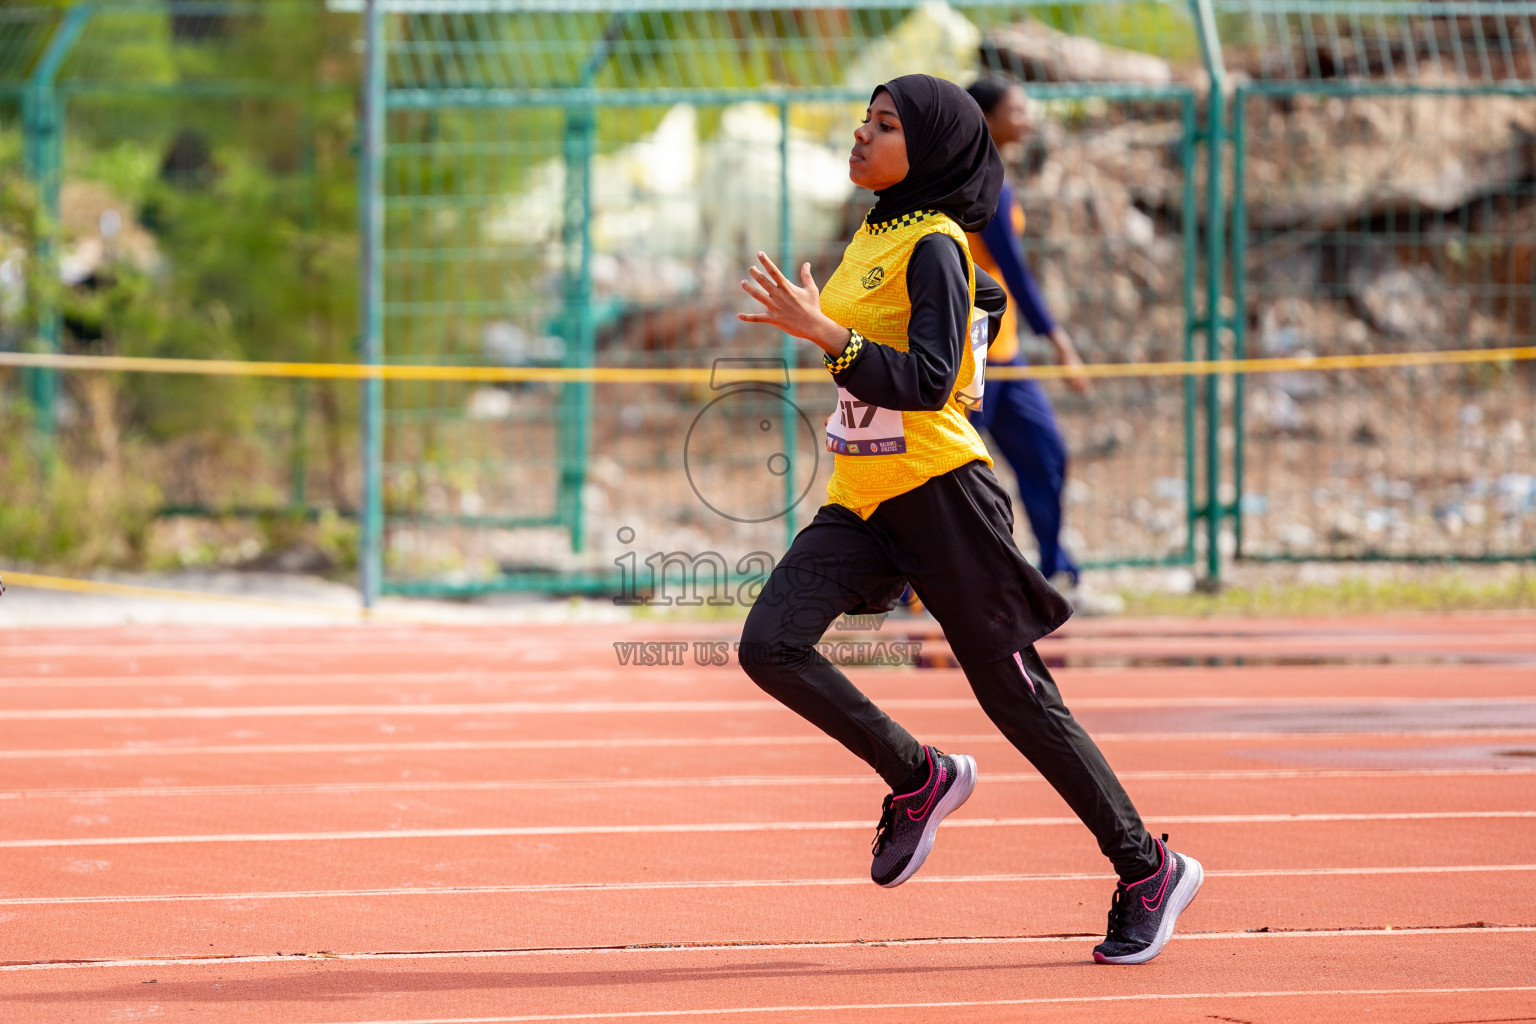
(912, 498)
(1017, 414)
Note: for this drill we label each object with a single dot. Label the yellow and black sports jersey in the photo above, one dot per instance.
(880, 453)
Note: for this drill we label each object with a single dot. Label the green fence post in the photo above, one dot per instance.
(40, 121)
(298, 456)
(1239, 307)
(787, 348)
(576, 241)
(1214, 228)
(371, 227)
(1190, 226)
(298, 461)
(43, 125)
(1215, 224)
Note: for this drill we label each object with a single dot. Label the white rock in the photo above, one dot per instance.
(490, 404)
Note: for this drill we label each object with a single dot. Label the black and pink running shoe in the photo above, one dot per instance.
(908, 822)
(1143, 913)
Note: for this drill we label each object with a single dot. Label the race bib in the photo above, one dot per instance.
(970, 395)
(862, 428)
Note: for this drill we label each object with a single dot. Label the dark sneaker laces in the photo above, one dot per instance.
(885, 828)
(1117, 908)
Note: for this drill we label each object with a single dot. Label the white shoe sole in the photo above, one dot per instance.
(1194, 876)
(965, 782)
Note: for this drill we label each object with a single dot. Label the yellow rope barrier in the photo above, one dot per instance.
(701, 375)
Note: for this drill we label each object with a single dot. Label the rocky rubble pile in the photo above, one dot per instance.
(1383, 208)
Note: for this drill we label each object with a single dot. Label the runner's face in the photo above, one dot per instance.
(879, 157)
(1009, 120)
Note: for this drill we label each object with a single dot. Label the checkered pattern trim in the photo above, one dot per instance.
(850, 353)
(905, 220)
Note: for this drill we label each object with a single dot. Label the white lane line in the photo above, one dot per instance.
(728, 781)
(725, 827)
(219, 680)
(615, 707)
(681, 742)
(505, 642)
(539, 674)
(751, 947)
(958, 1004)
(572, 638)
(215, 679)
(1087, 655)
(425, 746)
(522, 675)
(765, 883)
(585, 707)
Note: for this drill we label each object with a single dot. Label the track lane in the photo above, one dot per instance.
(267, 873)
(170, 727)
(662, 801)
(1485, 623)
(672, 781)
(245, 760)
(1447, 652)
(353, 649)
(215, 684)
(1412, 978)
(403, 862)
(625, 917)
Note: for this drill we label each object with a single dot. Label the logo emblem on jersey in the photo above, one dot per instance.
(873, 278)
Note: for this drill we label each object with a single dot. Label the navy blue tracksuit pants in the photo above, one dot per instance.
(1019, 417)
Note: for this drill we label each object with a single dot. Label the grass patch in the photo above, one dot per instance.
(70, 517)
(1509, 588)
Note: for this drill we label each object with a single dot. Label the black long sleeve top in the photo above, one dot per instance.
(923, 377)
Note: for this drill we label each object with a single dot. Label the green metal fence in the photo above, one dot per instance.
(1385, 200)
(134, 123)
(29, 58)
(581, 183)
(584, 185)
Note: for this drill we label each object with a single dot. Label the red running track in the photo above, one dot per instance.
(387, 823)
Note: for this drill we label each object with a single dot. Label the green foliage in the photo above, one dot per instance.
(69, 517)
(235, 178)
(251, 263)
(337, 540)
(330, 534)
(1409, 589)
(1158, 28)
(18, 204)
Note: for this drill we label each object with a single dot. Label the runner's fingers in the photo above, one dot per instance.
(807, 281)
(756, 318)
(763, 281)
(778, 275)
(757, 293)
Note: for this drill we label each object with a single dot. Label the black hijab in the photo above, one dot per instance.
(952, 164)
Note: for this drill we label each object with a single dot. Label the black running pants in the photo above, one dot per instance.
(952, 539)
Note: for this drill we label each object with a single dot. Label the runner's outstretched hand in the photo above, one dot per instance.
(793, 309)
(1066, 355)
